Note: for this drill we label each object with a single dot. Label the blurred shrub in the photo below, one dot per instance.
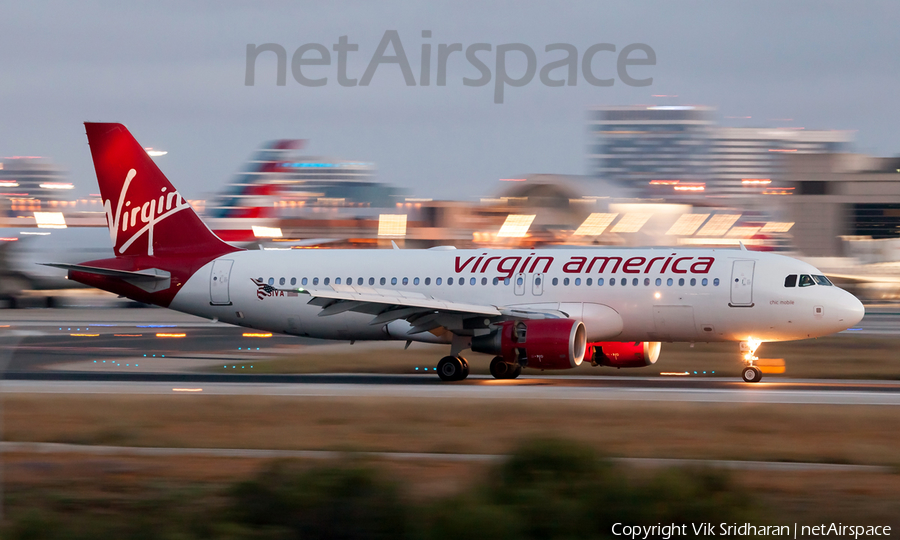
(332, 502)
(546, 489)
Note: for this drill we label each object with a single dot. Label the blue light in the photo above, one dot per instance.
(417, 369)
(242, 367)
(104, 361)
(156, 326)
(135, 365)
(695, 373)
(95, 361)
(163, 356)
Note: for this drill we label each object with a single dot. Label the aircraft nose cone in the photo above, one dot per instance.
(852, 310)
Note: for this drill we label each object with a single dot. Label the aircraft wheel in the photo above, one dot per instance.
(751, 374)
(465, 364)
(450, 368)
(514, 372)
(499, 368)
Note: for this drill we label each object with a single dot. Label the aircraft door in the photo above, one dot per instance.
(742, 284)
(537, 284)
(219, 282)
(519, 284)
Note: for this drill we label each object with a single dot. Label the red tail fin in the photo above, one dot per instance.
(145, 213)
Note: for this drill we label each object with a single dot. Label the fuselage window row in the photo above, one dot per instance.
(790, 281)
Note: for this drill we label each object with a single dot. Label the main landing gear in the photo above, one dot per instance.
(453, 368)
(750, 373)
(501, 369)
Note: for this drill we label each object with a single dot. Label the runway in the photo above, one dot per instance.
(76, 351)
(474, 388)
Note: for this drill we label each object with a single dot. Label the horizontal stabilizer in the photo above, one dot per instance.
(150, 274)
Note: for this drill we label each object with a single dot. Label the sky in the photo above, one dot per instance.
(174, 73)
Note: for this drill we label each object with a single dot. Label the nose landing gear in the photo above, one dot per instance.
(750, 373)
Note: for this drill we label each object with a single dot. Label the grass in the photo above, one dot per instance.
(776, 432)
(838, 357)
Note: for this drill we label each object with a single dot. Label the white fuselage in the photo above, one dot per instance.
(666, 295)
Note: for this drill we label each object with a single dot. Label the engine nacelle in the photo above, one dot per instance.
(541, 344)
(627, 354)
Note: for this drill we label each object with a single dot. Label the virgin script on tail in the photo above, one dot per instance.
(150, 214)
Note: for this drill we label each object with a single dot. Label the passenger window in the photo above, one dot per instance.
(681, 282)
(281, 281)
(496, 281)
(471, 281)
(349, 281)
(693, 281)
(555, 281)
(371, 281)
(669, 282)
(337, 281)
(462, 281)
(646, 282)
(484, 280)
(588, 282)
(716, 282)
(599, 281)
(449, 281)
(822, 280)
(428, 281)
(393, 281)
(415, 281)
(624, 281)
(806, 281)
(315, 281)
(658, 282)
(704, 282)
(506, 281)
(293, 281)
(790, 281)
(326, 281)
(359, 281)
(271, 281)
(438, 281)
(304, 281)
(634, 282)
(612, 281)
(405, 281)
(382, 281)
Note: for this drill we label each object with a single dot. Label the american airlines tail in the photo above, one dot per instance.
(158, 239)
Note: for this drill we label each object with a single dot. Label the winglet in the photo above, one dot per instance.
(743, 247)
(394, 244)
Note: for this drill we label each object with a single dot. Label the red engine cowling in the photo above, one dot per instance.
(624, 354)
(541, 344)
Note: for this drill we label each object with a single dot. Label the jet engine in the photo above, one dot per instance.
(620, 354)
(540, 344)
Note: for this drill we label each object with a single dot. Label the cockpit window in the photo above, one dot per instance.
(790, 281)
(806, 281)
(822, 280)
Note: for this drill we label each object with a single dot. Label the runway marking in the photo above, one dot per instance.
(168, 335)
(187, 389)
(265, 453)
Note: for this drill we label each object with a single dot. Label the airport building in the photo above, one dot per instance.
(678, 152)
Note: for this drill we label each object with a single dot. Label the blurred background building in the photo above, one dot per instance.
(657, 176)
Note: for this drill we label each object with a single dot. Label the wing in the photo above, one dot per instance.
(422, 311)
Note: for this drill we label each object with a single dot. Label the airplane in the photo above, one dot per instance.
(549, 309)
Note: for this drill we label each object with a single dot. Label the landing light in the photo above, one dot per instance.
(657, 296)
